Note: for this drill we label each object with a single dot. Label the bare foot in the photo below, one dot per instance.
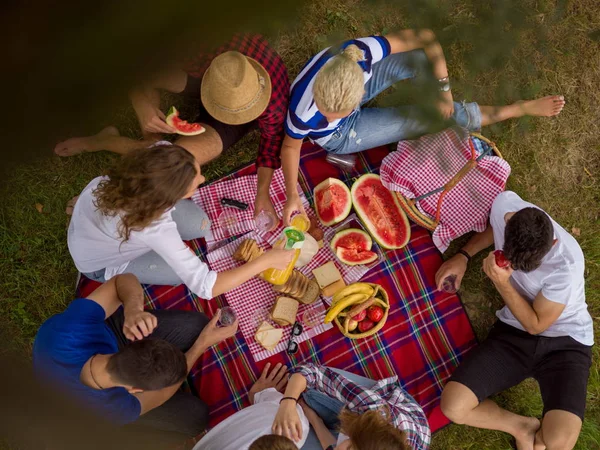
(526, 436)
(77, 145)
(548, 106)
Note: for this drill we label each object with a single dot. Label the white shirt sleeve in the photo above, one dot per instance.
(165, 240)
(558, 286)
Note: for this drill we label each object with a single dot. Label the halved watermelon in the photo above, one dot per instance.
(332, 201)
(182, 126)
(381, 212)
(353, 246)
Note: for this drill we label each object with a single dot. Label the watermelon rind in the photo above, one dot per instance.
(340, 235)
(348, 207)
(170, 119)
(367, 222)
(367, 256)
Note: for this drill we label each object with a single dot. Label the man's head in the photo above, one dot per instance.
(528, 237)
(148, 365)
(272, 442)
(370, 431)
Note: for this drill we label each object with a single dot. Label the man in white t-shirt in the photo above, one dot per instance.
(544, 330)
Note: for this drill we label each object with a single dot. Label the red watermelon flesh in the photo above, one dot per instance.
(332, 201)
(353, 246)
(381, 212)
(182, 126)
(354, 257)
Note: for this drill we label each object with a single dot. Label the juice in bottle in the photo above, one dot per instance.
(291, 239)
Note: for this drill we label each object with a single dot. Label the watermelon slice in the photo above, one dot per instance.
(381, 212)
(353, 246)
(182, 126)
(332, 201)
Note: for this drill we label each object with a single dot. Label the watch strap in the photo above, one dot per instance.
(465, 254)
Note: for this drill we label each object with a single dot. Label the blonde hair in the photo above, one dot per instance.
(340, 84)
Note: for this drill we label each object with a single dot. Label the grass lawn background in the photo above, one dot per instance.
(540, 48)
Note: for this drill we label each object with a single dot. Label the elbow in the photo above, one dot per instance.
(426, 35)
(535, 329)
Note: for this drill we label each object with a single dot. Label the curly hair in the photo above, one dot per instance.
(340, 84)
(144, 184)
(372, 431)
(528, 237)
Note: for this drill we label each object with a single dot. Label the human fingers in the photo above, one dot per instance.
(279, 373)
(162, 126)
(442, 273)
(281, 384)
(133, 331)
(298, 431)
(265, 371)
(150, 323)
(271, 376)
(141, 325)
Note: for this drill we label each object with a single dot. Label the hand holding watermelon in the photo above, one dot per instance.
(495, 272)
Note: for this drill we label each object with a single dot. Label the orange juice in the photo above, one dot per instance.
(300, 222)
(291, 239)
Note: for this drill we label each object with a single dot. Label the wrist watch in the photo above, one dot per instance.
(444, 84)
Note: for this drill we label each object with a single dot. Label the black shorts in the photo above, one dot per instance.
(230, 134)
(561, 366)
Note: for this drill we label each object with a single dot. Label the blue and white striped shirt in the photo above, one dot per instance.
(303, 117)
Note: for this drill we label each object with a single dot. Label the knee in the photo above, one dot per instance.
(565, 439)
(453, 406)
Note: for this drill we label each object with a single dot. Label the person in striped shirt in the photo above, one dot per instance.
(327, 96)
(369, 414)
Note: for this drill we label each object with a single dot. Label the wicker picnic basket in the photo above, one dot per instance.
(381, 294)
(409, 205)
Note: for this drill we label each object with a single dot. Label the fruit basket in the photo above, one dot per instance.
(378, 297)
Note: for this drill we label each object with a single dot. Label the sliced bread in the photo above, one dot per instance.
(311, 293)
(284, 311)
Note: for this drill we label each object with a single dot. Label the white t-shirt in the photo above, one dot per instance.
(95, 244)
(241, 429)
(559, 278)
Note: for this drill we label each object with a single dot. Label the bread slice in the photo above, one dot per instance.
(267, 336)
(284, 311)
(311, 293)
(327, 274)
(328, 291)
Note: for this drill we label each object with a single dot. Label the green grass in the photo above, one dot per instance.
(519, 49)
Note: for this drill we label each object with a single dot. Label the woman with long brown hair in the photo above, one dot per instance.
(366, 414)
(135, 219)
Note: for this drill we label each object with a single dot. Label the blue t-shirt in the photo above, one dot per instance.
(63, 345)
(303, 118)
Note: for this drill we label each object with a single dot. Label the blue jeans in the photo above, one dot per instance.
(150, 268)
(372, 127)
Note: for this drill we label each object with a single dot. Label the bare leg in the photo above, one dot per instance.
(107, 139)
(461, 406)
(205, 147)
(544, 107)
(560, 430)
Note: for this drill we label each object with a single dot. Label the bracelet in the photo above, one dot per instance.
(465, 254)
(444, 84)
(288, 398)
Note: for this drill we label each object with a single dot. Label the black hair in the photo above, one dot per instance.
(528, 237)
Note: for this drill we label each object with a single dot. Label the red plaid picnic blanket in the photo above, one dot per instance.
(426, 336)
(427, 163)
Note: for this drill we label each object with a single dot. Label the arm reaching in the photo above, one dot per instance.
(287, 421)
(290, 161)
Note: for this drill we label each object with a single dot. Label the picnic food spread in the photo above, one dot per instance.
(353, 246)
(268, 336)
(247, 251)
(299, 287)
(182, 126)
(332, 201)
(291, 239)
(329, 278)
(381, 212)
(284, 311)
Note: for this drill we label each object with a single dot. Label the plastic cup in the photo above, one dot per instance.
(228, 317)
(227, 220)
(311, 318)
(449, 284)
(300, 221)
(265, 221)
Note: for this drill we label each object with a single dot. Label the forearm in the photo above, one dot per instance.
(323, 434)
(520, 307)
(130, 292)
(263, 182)
(231, 279)
(407, 40)
(290, 161)
(296, 386)
(435, 55)
(479, 241)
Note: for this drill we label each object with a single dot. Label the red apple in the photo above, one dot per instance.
(360, 316)
(375, 313)
(365, 325)
(501, 260)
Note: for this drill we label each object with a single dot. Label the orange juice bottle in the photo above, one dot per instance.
(291, 239)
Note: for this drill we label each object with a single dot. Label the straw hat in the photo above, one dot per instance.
(235, 89)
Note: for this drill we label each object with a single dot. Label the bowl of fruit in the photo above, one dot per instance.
(359, 310)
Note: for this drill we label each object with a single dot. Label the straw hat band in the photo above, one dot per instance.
(250, 104)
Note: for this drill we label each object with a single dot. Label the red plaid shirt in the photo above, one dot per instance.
(271, 121)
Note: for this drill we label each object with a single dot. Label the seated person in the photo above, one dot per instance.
(370, 415)
(544, 330)
(127, 364)
(244, 429)
(242, 86)
(135, 219)
(327, 96)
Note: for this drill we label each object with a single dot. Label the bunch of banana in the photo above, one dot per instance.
(353, 294)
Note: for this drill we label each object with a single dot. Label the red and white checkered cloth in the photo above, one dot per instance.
(425, 164)
(252, 299)
(242, 189)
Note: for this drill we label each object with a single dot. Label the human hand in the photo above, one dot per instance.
(213, 334)
(457, 265)
(287, 421)
(445, 104)
(276, 379)
(152, 119)
(138, 324)
(277, 258)
(263, 203)
(292, 204)
(497, 274)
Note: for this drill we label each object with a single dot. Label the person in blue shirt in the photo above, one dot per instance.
(127, 364)
(327, 96)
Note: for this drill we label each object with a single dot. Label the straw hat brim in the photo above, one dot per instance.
(238, 118)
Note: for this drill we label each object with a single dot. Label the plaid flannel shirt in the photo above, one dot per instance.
(406, 414)
(270, 122)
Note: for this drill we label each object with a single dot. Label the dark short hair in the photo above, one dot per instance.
(273, 442)
(149, 364)
(528, 237)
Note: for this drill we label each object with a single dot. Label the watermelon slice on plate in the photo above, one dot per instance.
(353, 246)
(182, 126)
